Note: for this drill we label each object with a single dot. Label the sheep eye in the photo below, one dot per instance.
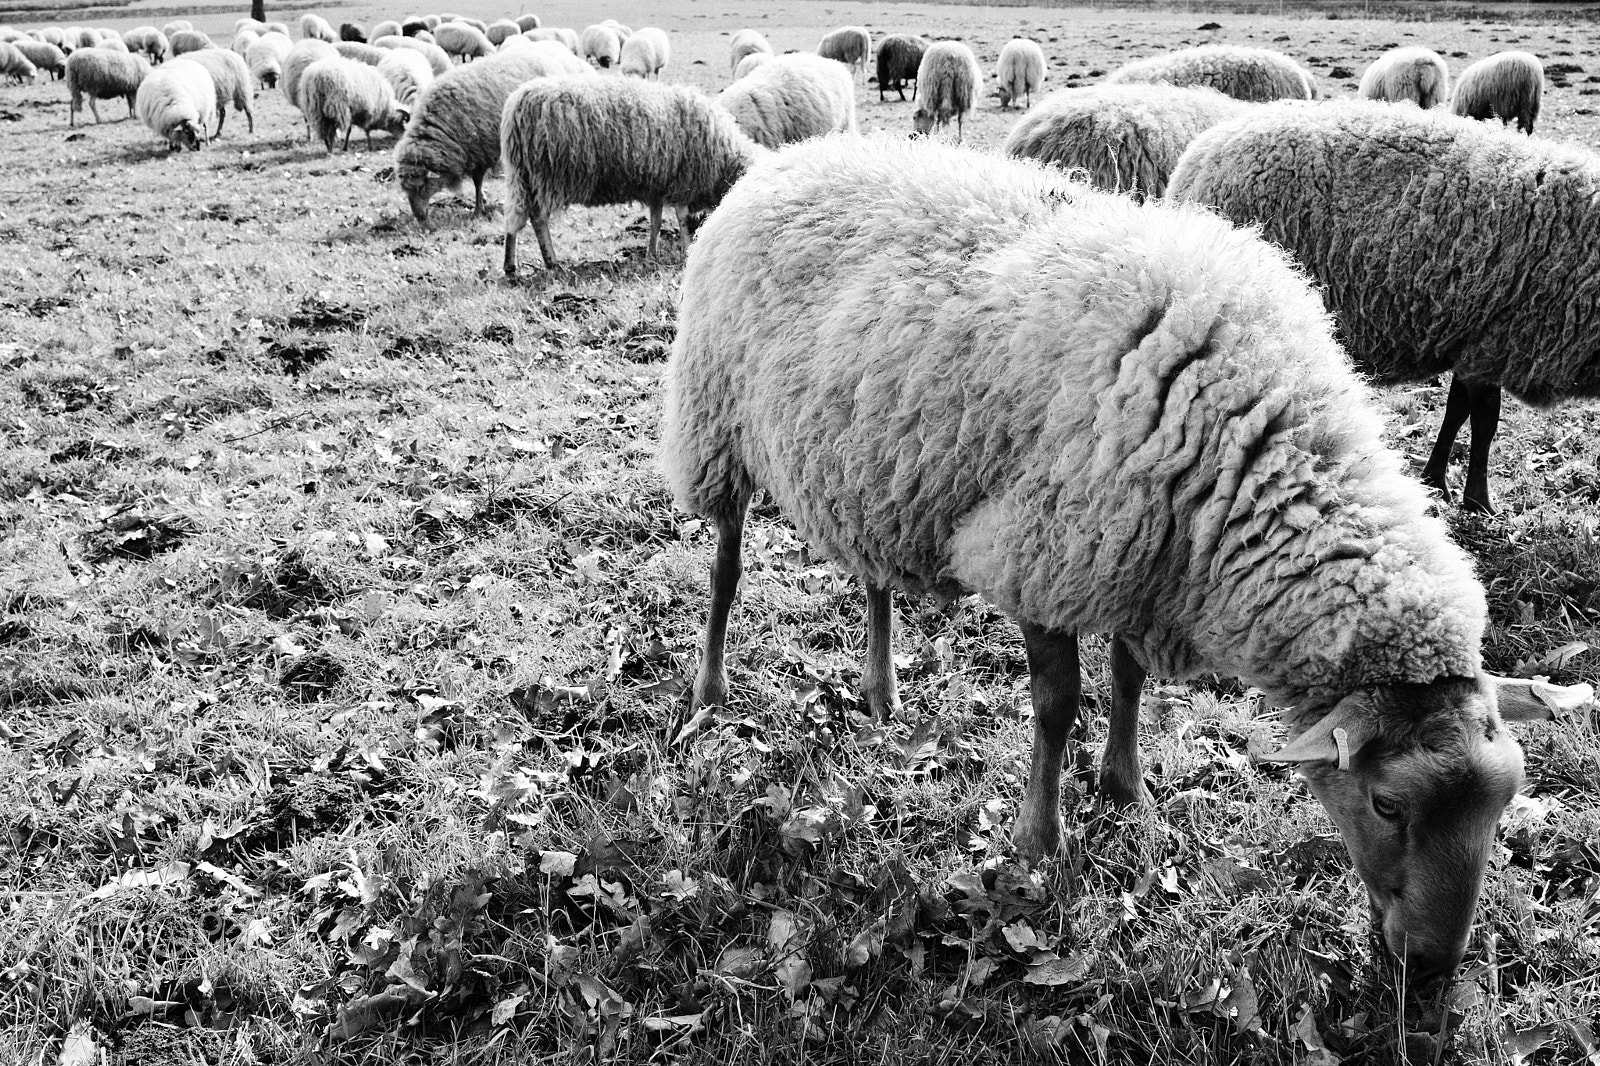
(1385, 808)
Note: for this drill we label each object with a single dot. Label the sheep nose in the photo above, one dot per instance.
(1426, 969)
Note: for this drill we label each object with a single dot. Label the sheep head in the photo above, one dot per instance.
(185, 135)
(1416, 777)
(922, 122)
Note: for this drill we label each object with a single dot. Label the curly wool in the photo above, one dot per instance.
(746, 43)
(1508, 86)
(1019, 71)
(850, 45)
(1418, 75)
(266, 57)
(99, 74)
(1256, 74)
(899, 56)
(949, 82)
(177, 102)
(1127, 138)
(231, 77)
(305, 52)
(341, 94)
(646, 52)
(792, 97)
(1439, 242)
(961, 373)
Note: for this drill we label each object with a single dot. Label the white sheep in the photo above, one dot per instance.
(754, 60)
(386, 28)
(455, 132)
(1507, 86)
(86, 37)
(899, 58)
(113, 44)
(98, 74)
(44, 56)
(407, 73)
(1019, 71)
(850, 45)
(240, 45)
(317, 28)
(266, 57)
(792, 97)
(500, 29)
(306, 51)
(340, 94)
(432, 22)
(1257, 74)
(255, 26)
(438, 61)
(594, 141)
(646, 52)
(1101, 417)
(949, 82)
(460, 39)
(15, 65)
(186, 41)
(1126, 138)
(361, 52)
(622, 32)
(178, 101)
(745, 43)
(278, 27)
(231, 78)
(1439, 242)
(1411, 74)
(149, 41)
(602, 44)
(175, 26)
(567, 38)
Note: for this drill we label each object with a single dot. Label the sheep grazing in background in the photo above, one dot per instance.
(1256, 74)
(752, 61)
(1458, 269)
(177, 102)
(255, 26)
(97, 74)
(53, 35)
(410, 26)
(899, 58)
(242, 41)
(369, 54)
(500, 29)
(266, 57)
(1128, 138)
(147, 41)
(455, 132)
(460, 39)
(407, 73)
(86, 37)
(432, 22)
(646, 52)
(791, 98)
(317, 28)
(44, 56)
(113, 44)
(622, 32)
(437, 60)
(1112, 418)
(175, 26)
(1019, 71)
(185, 41)
(341, 94)
(1507, 86)
(278, 27)
(566, 38)
(231, 78)
(850, 45)
(14, 65)
(1417, 75)
(353, 31)
(526, 23)
(949, 82)
(306, 51)
(746, 42)
(601, 44)
(386, 28)
(594, 141)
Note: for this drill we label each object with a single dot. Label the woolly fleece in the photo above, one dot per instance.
(1256, 74)
(1019, 71)
(1418, 75)
(949, 82)
(790, 98)
(1508, 86)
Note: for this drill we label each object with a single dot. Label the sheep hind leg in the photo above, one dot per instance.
(1056, 686)
(878, 685)
(94, 109)
(711, 681)
(1485, 406)
(655, 228)
(1457, 406)
(1121, 781)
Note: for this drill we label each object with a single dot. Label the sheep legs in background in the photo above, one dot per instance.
(1056, 686)
(1121, 781)
(711, 682)
(877, 675)
(1481, 402)
(655, 227)
(541, 231)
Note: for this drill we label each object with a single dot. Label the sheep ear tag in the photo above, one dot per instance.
(1535, 699)
(1335, 738)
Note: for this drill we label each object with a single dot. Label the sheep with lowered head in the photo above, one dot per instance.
(306, 51)
(316, 28)
(1413, 74)
(186, 41)
(1256, 74)
(15, 65)
(602, 44)
(341, 94)
(98, 74)
(407, 73)
(1127, 138)
(44, 56)
(455, 132)
(177, 102)
(746, 42)
(850, 45)
(899, 57)
(149, 41)
(386, 28)
(751, 62)
(460, 39)
(1439, 243)
(1507, 86)
(792, 97)
(174, 26)
(562, 35)
(1101, 417)
(436, 57)
(646, 52)
(231, 77)
(500, 29)
(353, 31)
(595, 141)
(526, 23)
(266, 57)
(1019, 71)
(949, 82)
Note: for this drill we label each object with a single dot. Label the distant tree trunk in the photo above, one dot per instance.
(258, 10)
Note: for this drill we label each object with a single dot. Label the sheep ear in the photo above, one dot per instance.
(1335, 738)
(1536, 699)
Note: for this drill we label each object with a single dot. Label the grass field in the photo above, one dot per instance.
(342, 609)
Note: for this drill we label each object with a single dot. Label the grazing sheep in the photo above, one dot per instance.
(1439, 243)
(594, 141)
(752, 61)
(317, 28)
(87, 37)
(353, 31)
(949, 82)
(460, 39)
(175, 26)
(622, 32)
(500, 29)
(361, 52)
(455, 132)
(1256, 74)
(432, 22)
(53, 35)
(98, 74)
(899, 58)
(407, 73)
(306, 51)
(242, 41)
(1417, 75)
(186, 41)
(601, 44)
(436, 57)
(791, 98)
(177, 101)
(1020, 70)
(646, 53)
(850, 45)
(15, 65)
(477, 24)
(526, 23)
(266, 57)
(1507, 86)
(518, 41)
(1126, 137)
(278, 27)
(341, 94)
(231, 78)
(113, 44)
(746, 42)
(148, 41)
(411, 25)
(423, 35)
(562, 35)
(45, 56)
(1101, 417)
(253, 25)
(386, 28)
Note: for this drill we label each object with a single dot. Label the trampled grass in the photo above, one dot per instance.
(342, 612)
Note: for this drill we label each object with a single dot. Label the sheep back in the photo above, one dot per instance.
(1508, 86)
(1418, 75)
(341, 94)
(306, 51)
(899, 57)
(850, 45)
(646, 52)
(1020, 70)
(792, 97)
(178, 101)
(500, 29)
(601, 44)
(1256, 74)
(102, 75)
(44, 56)
(230, 76)
(751, 62)
(14, 64)
(317, 28)
(185, 41)
(460, 39)
(949, 82)
(407, 73)
(525, 23)
(361, 52)
(744, 43)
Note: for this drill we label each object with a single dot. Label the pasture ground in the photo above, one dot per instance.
(342, 609)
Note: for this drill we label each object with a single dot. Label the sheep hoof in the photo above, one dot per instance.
(1036, 837)
(1116, 795)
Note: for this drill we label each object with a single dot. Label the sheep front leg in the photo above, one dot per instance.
(1056, 685)
(878, 684)
(655, 227)
(1121, 781)
(1485, 406)
(711, 682)
(1457, 405)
